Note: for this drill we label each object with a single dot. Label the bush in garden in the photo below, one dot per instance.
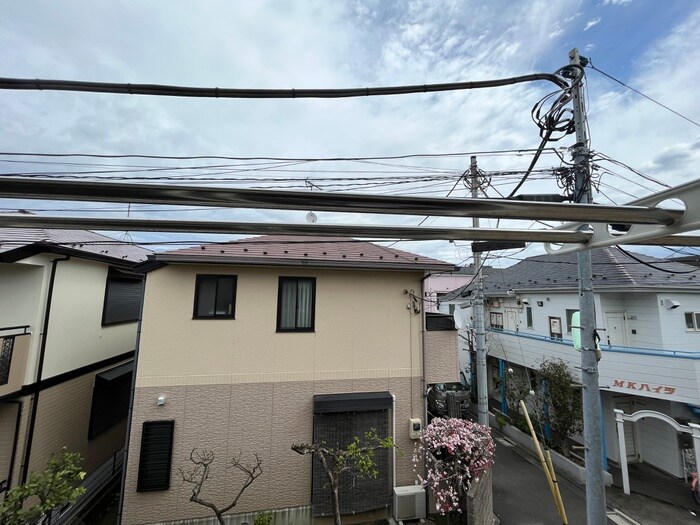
(456, 453)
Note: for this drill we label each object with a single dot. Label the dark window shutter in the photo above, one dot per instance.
(122, 300)
(356, 495)
(156, 456)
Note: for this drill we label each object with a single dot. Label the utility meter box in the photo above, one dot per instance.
(415, 427)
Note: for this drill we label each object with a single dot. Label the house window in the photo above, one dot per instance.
(692, 321)
(296, 304)
(215, 297)
(123, 293)
(156, 456)
(528, 316)
(569, 317)
(497, 321)
(110, 398)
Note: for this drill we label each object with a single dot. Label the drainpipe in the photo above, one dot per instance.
(40, 369)
(125, 456)
(393, 433)
(11, 470)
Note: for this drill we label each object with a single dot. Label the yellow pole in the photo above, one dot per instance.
(545, 467)
(557, 495)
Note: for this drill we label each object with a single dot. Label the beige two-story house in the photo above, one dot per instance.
(251, 346)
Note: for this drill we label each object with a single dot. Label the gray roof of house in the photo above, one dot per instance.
(19, 243)
(289, 250)
(612, 270)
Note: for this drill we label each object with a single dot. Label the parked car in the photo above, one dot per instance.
(439, 395)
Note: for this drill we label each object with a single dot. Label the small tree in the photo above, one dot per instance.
(357, 458)
(54, 487)
(517, 389)
(560, 405)
(198, 474)
(456, 452)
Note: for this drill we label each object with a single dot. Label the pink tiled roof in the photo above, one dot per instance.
(288, 250)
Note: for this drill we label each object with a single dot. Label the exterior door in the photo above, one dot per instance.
(616, 333)
(630, 442)
(511, 319)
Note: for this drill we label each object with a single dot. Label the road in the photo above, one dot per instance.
(521, 495)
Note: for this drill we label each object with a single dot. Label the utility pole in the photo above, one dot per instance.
(480, 336)
(592, 436)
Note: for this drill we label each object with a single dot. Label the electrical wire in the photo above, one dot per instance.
(162, 90)
(628, 254)
(590, 64)
(557, 121)
(283, 159)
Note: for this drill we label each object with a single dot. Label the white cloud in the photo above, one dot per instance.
(616, 2)
(328, 44)
(592, 23)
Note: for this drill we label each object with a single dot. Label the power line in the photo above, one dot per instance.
(162, 90)
(643, 95)
(283, 159)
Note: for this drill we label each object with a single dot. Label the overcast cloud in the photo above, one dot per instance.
(276, 44)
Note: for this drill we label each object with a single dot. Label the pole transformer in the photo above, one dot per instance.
(592, 435)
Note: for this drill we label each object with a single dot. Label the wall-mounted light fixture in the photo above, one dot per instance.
(670, 304)
(161, 400)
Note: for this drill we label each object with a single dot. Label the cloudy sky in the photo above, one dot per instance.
(650, 45)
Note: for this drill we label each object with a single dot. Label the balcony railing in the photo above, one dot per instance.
(13, 357)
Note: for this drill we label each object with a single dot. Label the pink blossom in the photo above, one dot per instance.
(456, 451)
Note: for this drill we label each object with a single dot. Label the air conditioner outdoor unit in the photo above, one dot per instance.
(409, 502)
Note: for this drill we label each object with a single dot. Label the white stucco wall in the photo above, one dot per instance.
(76, 336)
(23, 288)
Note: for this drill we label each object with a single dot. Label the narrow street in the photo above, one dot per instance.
(521, 495)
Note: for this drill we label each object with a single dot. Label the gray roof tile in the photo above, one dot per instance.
(90, 243)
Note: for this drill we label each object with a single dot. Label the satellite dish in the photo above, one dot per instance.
(311, 218)
(459, 316)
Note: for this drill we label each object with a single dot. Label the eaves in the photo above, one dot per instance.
(295, 263)
(29, 250)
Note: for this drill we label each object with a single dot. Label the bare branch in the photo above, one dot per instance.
(198, 474)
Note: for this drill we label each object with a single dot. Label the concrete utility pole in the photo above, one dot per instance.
(595, 481)
(479, 334)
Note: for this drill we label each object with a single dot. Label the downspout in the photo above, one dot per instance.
(125, 457)
(40, 369)
(15, 441)
(393, 434)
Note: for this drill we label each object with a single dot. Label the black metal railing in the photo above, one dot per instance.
(8, 344)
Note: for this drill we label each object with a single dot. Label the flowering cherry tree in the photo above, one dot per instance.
(456, 452)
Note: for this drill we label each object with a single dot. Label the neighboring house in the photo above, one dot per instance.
(439, 285)
(254, 345)
(68, 321)
(649, 324)
(460, 299)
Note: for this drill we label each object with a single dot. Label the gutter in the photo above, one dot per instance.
(40, 369)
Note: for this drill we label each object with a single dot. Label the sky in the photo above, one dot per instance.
(652, 46)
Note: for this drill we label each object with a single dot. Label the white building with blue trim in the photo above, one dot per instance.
(648, 320)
